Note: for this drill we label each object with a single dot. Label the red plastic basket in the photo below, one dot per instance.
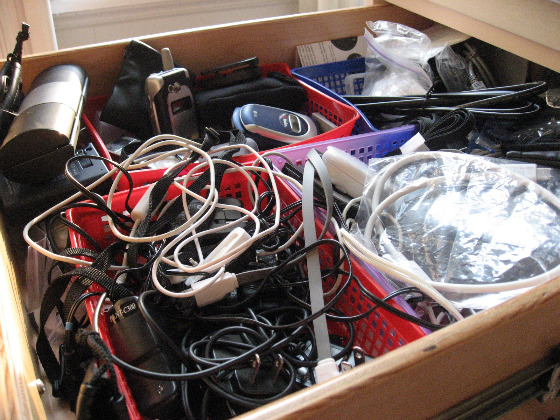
(342, 115)
(380, 333)
(365, 146)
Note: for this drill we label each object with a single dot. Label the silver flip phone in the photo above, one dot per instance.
(171, 100)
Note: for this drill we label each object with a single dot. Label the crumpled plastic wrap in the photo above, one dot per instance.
(396, 60)
(462, 219)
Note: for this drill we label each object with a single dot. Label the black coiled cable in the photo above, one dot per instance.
(506, 102)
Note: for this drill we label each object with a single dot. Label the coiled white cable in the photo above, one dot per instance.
(207, 202)
(183, 238)
(396, 271)
(151, 144)
(373, 222)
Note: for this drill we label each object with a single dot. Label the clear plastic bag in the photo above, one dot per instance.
(453, 70)
(544, 129)
(478, 232)
(396, 60)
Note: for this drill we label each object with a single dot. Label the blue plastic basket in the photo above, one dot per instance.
(330, 78)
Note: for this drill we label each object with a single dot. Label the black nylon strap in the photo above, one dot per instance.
(85, 277)
(95, 273)
(79, 252)
(43, 348)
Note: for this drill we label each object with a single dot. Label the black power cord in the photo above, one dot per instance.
(506, 102)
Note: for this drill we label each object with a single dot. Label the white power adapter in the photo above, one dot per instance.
(208, 290)
(347, 172)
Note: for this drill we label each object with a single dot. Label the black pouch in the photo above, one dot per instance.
(128, 107)
(215, 108)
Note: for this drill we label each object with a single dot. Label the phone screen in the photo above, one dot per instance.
(181, 105)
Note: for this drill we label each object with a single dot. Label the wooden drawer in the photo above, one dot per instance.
(419, 380)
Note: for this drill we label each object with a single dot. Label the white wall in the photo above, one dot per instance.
(75, 28)
(37, 14)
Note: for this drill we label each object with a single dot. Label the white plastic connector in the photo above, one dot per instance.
(217, 291)
(141, 208)
(347, 172)
(417, 143)
(529, 170)
(326, 369)
(234, 239)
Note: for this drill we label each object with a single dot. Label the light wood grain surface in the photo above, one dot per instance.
(19, 396)
(271, 40)
(529, 29)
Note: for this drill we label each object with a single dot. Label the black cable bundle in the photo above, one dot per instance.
(253, 346)
(506, 102)
(448, 131)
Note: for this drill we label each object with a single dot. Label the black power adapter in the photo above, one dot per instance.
(137, 344)
(29, 200)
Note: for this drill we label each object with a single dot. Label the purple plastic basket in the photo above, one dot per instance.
(365, 146)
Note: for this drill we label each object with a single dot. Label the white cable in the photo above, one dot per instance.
(180, 228)
(235, 251)
(52, 210)
(77, 261)
(276, 153)
(349, 206)
(396, 271)
(97, 312)
(299, 229)
(374, 220)
(209, 202)
(209, 266)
